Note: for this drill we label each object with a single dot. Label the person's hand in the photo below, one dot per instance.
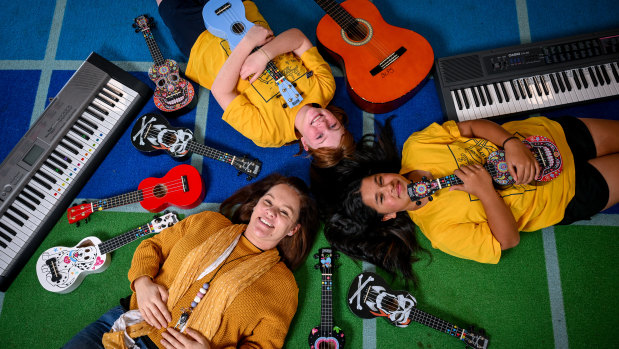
(152, 299)
(476, 180)
(520, 162)
(257, 36)
(253, 66)
(173, 339)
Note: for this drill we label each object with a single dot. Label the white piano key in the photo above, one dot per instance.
(102, 125)
(125, 89)
(50, 194)
(34, 217)
(115, 111)
(22, 233)
(575, 94)
(613, 85)
(592, 90)
(474, 112)
(459, 109)
(42, 200)
(27, 223)
(496, 106)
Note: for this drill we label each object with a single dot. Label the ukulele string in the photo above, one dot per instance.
(148, 192)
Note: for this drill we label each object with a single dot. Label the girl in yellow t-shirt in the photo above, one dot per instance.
(471, 220)
(249, 96)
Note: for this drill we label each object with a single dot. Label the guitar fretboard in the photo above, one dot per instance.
(271, 68)
(326, 301)
(152, 47)
(121, 240)
(118, 200)
(436, 323)
(344, 19)
(210, 152)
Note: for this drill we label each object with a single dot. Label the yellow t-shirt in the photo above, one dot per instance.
(258, 112)
(455, 222)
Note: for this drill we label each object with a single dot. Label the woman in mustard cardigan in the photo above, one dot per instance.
(214, 282)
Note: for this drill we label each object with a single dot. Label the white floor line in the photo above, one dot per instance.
(555, 290)
(369, 325)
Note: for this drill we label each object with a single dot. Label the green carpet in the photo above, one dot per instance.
(511, 300)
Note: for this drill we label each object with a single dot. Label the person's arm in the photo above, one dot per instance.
(224, 85)
(477, 181)
(521, 163)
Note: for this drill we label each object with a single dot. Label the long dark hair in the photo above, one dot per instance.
(358, 230)
(293, 249)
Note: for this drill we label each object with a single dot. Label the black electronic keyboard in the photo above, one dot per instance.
(528, 78)
(50, 164)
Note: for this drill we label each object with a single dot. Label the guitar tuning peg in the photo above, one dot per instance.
(430, 198)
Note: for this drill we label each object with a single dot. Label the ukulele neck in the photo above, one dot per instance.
(122, 240)
(326, 302)
(209, 152)
(118, 200)
(436, 323)
(152, 47)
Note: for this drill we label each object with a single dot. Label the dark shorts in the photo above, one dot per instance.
(592, 193)
(184, 19)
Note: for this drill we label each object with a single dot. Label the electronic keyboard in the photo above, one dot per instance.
(529, 78)
(54, 159)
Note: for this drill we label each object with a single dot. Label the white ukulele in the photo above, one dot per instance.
(62, 269)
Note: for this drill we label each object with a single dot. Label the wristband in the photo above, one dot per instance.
(265, 53)
(505, 141)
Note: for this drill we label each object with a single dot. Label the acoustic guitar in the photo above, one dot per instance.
(62, 269)
(327, 335)
(545, 152)
(182, 187)
(152, 132)
(173, 94)
(384, 65)
(369, 296)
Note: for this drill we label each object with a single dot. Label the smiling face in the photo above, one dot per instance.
(318, 127)
(386, 193)
(274, 217)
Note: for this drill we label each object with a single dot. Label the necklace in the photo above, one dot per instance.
(186, 312)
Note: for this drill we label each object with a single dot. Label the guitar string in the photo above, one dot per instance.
(172, 187)
(326, 327)
(169, 137)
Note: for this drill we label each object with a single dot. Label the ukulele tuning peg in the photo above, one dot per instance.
(134, 25)
(424, 178)
(249, 178)
(430, 198)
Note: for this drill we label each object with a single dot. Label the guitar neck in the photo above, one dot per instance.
(152, 47)
(122, 240)
(274, 72)
(448, 181)
(436, 323)
(326, 302)
(344, 19)
(119, 200)
(212, 153)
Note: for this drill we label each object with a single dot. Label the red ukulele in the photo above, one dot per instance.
(182, 187)
(384, 65)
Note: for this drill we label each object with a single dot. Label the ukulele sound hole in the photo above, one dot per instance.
(238, 28)
(358, 33)
(160, 190)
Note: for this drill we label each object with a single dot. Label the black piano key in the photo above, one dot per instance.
(475, 98)
(497, 91)
(69, 148)
(83, 128)
(80, 133)
(98, 109)
(465, 99)
(19, 213)
(6, 238)
(62, 157)
(46, 176)
(109, 95)
(598, 74)
(114, 90)
(585, 84)
(94, 114)
(57, 162)
(576, 79)
(74, 142)
(52, 167)
(458, 102)
(544, 84)
(515, 90)
(105, 101)
(35, 191)
(553, 81)
(537, 88)
(560, 82)
(615, 72)
(505, 94)
(26, 203)
(480, 93)
(566, 81)
(30, 197)
(592, 76)
(8, 229)
(88, 123)
(14, 219)
(524, 86)
(488, 95)
(605, 74)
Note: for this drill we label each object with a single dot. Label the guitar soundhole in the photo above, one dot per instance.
(238, 28)
(169, 138)
(357, 31)
(160, 190)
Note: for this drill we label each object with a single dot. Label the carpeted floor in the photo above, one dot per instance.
(557, 289)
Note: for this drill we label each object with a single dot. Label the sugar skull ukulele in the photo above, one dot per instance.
(370, 297)
(173, 94)
(152, 132)
(544, 150)
(327, 335)
(62, 269)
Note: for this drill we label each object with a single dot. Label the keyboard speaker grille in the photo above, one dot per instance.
(461, 68)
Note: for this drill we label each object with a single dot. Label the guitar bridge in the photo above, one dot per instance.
(388, 61)
(51, 263)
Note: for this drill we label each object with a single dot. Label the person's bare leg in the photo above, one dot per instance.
(608, 166)
(605, 135)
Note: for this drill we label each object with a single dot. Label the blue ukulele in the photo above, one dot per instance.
(226, 20)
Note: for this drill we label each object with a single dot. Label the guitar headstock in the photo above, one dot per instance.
(250, 167)
(475, 338)
(162, 222)
(79, 212)
(143, 22)
(326, 258)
